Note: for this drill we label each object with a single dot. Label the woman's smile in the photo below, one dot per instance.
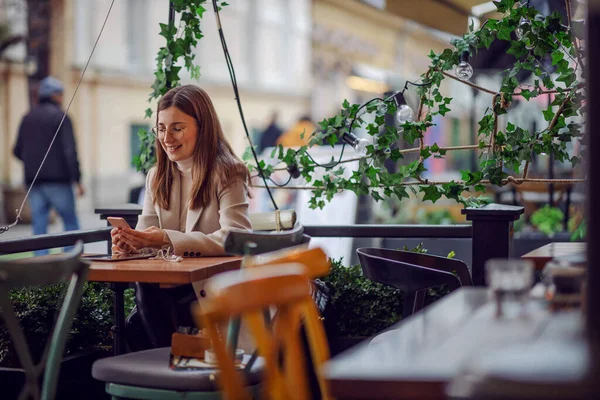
(173, 148)
(177, 133)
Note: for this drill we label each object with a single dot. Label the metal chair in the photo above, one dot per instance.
(413, 273)
(146, 374)
(35, 272)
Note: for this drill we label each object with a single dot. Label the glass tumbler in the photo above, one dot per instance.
(509, 282)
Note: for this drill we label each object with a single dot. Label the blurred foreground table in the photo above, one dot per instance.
(550, 251)
(418, 357)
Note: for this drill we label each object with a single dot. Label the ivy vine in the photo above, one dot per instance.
(181, 41)
(511, 148)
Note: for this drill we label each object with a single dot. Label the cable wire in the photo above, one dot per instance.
(20, 210)
(237, 98)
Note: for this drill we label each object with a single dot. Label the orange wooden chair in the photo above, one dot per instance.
(246, 294)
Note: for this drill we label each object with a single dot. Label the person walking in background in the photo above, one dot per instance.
(53, 186)
(294, 138)
(271, 133)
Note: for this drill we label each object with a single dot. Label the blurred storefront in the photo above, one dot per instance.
(269, 42)
(360, 51)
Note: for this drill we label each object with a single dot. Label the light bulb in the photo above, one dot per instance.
(361, 146)
(524, 25)
(464, 70)
(404, 113)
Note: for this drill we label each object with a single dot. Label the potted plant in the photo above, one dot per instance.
(358, 308)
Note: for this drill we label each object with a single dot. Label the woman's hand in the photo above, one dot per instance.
(118, 244)
(149, 237)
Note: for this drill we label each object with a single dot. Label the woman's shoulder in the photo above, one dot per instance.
(233, 172)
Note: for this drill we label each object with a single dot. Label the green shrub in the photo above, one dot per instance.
(357, 305)
(548, 220)
(36, 309)
(434, 217)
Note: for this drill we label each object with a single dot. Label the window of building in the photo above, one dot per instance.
(137, 33)
(134, 140)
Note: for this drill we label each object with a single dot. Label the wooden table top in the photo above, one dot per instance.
(552, 250)
(159, 271)
(418, 357)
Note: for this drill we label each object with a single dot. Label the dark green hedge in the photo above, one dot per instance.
(36, 309)
(358, 306)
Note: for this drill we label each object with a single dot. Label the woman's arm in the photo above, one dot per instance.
(233, 214)
(148, 222)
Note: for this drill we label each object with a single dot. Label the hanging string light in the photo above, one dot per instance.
(404, 112)
(524, 25)
(359, 144)
(464, 70)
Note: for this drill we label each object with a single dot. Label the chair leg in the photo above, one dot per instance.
(419, 300)
(408, 308)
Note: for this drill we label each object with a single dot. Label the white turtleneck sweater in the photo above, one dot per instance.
(185, 170)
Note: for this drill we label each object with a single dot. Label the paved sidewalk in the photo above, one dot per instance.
(87, 220)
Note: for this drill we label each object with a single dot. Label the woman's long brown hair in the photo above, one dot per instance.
(215, 164)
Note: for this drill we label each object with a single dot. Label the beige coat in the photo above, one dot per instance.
(206, 228)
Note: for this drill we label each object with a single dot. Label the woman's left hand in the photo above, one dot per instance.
(149, 237)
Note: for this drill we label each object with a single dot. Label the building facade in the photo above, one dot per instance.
(269, 42)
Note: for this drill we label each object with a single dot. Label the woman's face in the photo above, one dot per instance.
(177, 133)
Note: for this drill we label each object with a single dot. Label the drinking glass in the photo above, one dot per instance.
(509, 282)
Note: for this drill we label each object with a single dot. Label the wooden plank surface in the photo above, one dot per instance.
(160, 271)
(418, 357)
(552, 250)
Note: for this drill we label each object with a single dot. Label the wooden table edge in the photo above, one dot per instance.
(172, 277)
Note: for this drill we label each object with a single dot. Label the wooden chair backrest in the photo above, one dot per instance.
(248, 293)
(315, 261)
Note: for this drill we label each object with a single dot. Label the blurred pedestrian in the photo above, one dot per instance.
(271, 133)
(53, 186)
(299, 134)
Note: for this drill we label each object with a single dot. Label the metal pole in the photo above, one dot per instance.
(592, 299)
(593, 181)
(550, 170)
(171, 23)
(473, 129)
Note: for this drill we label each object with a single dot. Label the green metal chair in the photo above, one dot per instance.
(146, 374)
(36, 272)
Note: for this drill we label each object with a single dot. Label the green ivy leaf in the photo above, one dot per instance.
(548, 114)
(504, 5)
(480, 188)
(443, 109)
(432, 193)
(425, 152)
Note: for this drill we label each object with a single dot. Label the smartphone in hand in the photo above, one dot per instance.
(118, 222)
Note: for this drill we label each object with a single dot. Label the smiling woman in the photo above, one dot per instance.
(198, 189)
(195, 194)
